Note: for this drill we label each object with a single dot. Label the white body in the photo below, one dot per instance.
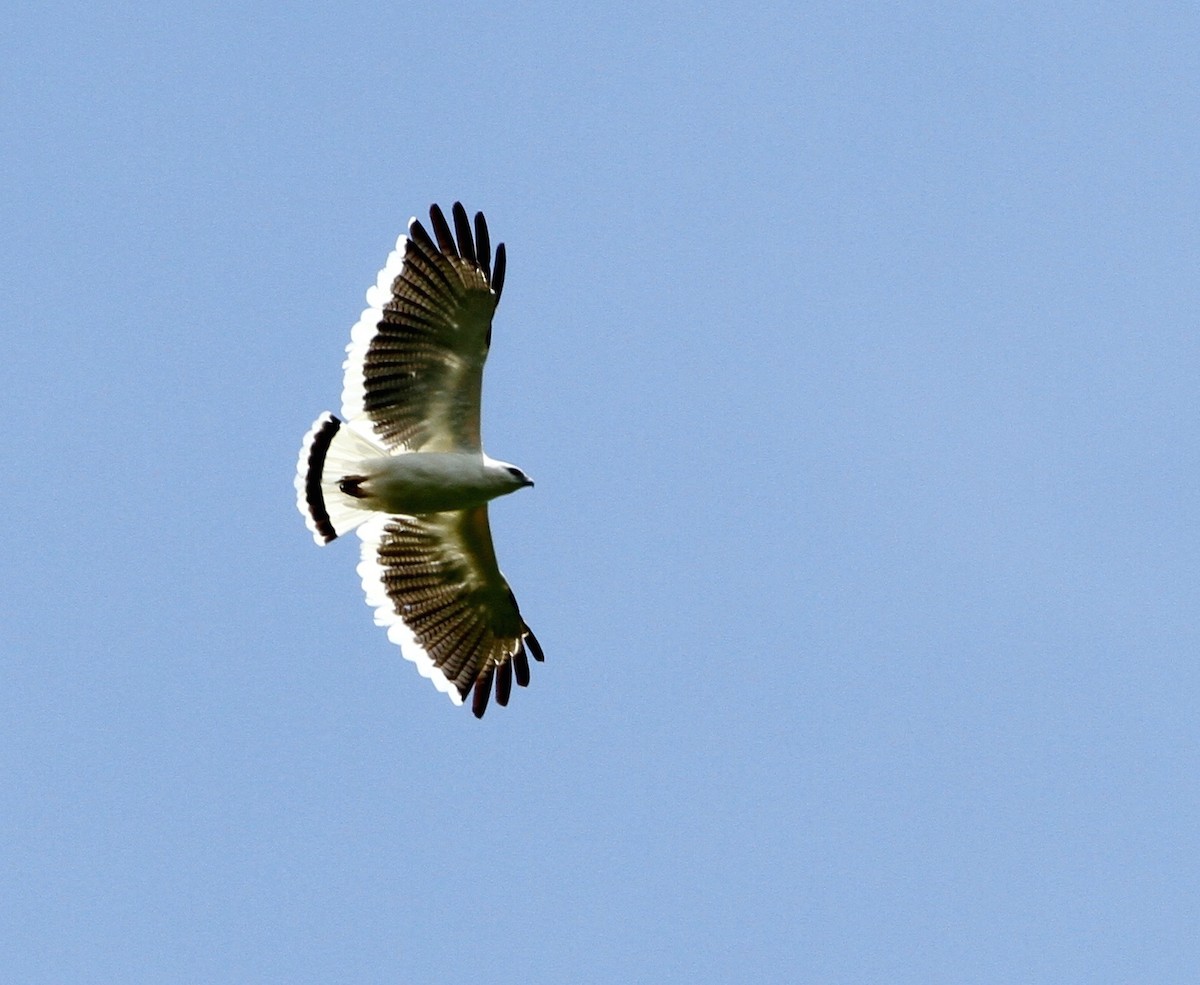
(434, 482)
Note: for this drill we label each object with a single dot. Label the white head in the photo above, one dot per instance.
(508, 477)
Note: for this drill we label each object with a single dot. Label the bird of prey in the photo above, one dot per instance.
(406, 466)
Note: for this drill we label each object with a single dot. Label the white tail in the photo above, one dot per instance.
(331, 451)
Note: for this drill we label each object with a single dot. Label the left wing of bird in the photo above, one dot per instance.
(414, 366)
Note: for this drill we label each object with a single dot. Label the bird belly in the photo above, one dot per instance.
(425, 482)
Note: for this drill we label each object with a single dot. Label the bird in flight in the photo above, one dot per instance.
(406, 466)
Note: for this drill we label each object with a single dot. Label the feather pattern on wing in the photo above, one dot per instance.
(434, 582)
(414, 366)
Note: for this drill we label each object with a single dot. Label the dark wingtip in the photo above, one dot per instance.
(520, 662)
(534, 646)
(498, 271)
(441, 229)
(483, 691)
(504, 679)
(418, 234)
(462, 229)
(483, 246)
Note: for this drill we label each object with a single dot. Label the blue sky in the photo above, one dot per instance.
(854, 351)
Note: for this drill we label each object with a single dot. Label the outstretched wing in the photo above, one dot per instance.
(434, 582)
(414, 365)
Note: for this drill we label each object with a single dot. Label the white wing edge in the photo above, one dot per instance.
(365, 329)
(371, 572)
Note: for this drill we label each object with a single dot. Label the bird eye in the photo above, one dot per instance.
(516, 473)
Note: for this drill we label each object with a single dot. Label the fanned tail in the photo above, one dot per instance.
(329, 452)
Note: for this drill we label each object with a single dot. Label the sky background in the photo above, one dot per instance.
(854, 349)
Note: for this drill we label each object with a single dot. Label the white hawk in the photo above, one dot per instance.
(407, 469)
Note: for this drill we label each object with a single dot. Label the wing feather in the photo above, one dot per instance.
(520, 664)
(441, 229)
(504, 679)
(462, 229)
(483, 246)
(497, 277)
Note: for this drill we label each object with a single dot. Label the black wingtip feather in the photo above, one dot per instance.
(483, 691)
(441, 230)
(504, 679)
(419, 235)
(520, 662)
(534, 646)
(498, 272)
(483, 246)
(462, 229)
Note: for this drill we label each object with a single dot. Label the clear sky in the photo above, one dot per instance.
(854, 349)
